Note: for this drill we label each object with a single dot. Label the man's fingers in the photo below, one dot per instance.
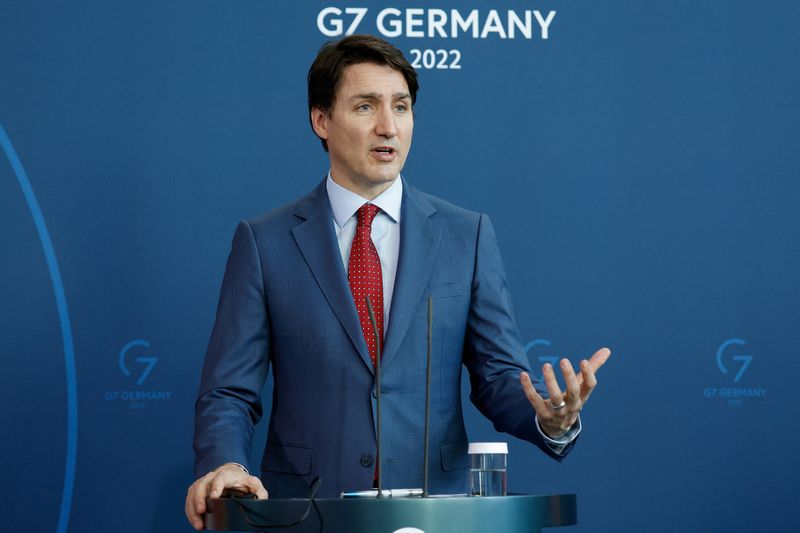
(588, 371)
(589, 380)
(196, 503)
(254, 486)
(553, 422)
(556, 396)
(533, 396)
(573, 397)
(599, 358)
(218, 484)
(195, 520)
(200, 495)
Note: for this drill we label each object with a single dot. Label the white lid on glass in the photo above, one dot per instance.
(487, 447)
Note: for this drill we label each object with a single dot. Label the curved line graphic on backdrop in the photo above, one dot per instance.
(66, 329)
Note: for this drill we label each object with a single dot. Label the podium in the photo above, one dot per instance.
(515, 513)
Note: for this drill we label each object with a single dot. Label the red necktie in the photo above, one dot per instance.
(365, 277)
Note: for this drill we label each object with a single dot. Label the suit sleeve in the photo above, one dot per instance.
(493, 352)
(237, 362)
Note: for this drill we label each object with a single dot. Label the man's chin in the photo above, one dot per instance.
(378, 180)
(385, 175)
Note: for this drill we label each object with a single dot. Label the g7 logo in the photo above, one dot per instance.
(148, 362)
(744, 359)
(551, 358)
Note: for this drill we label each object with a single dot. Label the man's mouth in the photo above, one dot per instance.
(384, 153)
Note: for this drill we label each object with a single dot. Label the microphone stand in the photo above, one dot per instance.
(377, 391)
(427, 401)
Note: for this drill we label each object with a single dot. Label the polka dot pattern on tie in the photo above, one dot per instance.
(365, 277)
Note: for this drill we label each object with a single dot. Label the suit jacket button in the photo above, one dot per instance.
(375, 391)
(366, 461)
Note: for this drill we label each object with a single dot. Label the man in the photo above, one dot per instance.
(294, 296)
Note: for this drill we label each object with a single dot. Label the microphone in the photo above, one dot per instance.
(427, 401)
(425, 454)
(377, 391)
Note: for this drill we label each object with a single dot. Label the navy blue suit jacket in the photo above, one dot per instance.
(285, 302)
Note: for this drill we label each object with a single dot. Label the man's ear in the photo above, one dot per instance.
(319, 121)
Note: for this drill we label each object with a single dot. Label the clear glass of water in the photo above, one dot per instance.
(487, 471)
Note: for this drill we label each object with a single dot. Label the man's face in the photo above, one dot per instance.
(369, 129)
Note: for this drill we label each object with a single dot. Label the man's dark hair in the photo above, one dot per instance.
(325, 73)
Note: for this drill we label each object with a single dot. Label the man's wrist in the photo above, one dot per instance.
(558, 443)
(560, 437)
(244, 468)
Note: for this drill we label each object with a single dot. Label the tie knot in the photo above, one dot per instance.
(366, 214)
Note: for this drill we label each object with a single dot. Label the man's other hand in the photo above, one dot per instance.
(558, 414)
(228, 476)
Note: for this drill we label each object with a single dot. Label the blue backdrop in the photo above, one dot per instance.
(640, 165)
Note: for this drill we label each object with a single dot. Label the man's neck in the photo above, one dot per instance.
(368, 192)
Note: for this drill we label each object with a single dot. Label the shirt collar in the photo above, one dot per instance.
(345, 203)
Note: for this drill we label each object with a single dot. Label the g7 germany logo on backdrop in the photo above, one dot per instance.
(435, 23)
(733, 361)
(136, 363)
(145, 363)
(743, 361)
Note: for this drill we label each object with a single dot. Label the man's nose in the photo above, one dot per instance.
(386, 123)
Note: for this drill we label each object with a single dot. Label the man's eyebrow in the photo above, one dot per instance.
(377, 96)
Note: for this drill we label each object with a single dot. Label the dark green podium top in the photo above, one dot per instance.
(461, 514)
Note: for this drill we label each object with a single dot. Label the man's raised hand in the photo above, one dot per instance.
(558, 414)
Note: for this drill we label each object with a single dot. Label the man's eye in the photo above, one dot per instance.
(363, 107)
(402, 108)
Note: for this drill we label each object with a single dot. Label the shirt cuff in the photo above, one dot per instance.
(558, 444)
(246, 471)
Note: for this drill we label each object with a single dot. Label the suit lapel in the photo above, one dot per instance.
(419, 241)
(316, 239)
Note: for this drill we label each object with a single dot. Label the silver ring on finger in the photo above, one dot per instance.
(556, 407)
